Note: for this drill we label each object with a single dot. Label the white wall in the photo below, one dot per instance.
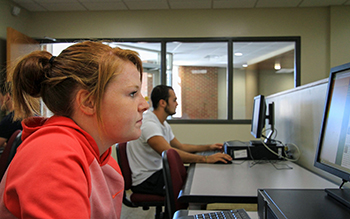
(8, 20)
(339, 36)
(207, 134)
(311, 24)
(270, 82)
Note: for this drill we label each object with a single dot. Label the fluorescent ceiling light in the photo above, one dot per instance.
(285, 70)
(277, 66)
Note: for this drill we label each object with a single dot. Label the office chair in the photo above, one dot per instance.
(5, 157)
(136, 199)
(175, 175)
(15, 144)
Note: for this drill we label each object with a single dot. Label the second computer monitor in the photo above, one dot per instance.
(259, 117)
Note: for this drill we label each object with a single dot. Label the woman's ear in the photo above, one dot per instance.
(7, 97)
(85, 102)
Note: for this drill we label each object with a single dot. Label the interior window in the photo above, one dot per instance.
(215, 80)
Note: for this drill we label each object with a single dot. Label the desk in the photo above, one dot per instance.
(239, 182)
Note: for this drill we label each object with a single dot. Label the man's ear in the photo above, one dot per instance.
(162, 103)
(85, 102)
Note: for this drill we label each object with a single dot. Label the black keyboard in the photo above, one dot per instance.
(208, 153)
(233, 214)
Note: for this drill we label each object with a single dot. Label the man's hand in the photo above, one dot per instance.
(217, 146)
(218, 157)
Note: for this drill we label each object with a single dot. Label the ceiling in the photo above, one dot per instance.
(191, 53)
(111, 5)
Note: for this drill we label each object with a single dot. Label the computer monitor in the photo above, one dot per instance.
(259, 117)
(333, 150)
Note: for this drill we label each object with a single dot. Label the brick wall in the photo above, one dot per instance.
(147, 86)
(199, 92)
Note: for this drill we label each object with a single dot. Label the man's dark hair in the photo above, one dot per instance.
(160, 92)
(5, 86)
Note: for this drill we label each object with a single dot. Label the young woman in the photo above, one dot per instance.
(63, 168)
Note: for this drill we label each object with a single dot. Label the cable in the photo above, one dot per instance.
(250, 153)
(273, 162)
(344, 181)
(281, 168)
(239, 163)
(278, 155)
(262, 139)
(254, 162)
(274, 133)
(296, 147)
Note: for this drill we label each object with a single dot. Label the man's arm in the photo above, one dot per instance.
(195, 148)
(198, 148)
(159, 144)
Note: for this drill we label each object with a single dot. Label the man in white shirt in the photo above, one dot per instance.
(144, 154)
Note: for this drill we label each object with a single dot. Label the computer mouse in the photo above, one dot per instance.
(221, 162)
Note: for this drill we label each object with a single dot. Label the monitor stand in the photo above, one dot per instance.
(341, 195)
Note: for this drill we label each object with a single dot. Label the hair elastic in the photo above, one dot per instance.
(51, 59)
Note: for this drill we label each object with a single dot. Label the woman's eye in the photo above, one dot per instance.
(133, 94)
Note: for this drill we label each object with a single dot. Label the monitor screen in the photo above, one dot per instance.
(258, 116)
(333, 151)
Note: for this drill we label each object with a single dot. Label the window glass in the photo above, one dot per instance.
(215, 80)
(198, 73)
(150, 56)
(260, 68)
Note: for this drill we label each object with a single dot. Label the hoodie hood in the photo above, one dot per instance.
(34, 126)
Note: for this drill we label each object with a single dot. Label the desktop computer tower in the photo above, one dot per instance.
(247, 151)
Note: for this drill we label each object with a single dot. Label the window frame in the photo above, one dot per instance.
(230, 41)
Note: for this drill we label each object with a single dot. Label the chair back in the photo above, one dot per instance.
(124, 164)
(136, 199)
(7, 153)
(174, 176)
(16, 142)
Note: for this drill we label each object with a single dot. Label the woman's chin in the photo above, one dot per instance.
(134, 136)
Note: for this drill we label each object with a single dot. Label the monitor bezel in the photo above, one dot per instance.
(317, 163)
(260, 124)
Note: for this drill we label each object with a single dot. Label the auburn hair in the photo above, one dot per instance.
(87, 65)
